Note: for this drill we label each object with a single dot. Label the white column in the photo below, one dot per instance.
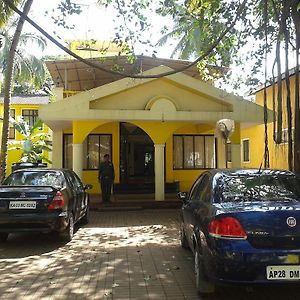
(57, 149)
(235, 156)
(159, 169)
(78, 159)
(221, 157)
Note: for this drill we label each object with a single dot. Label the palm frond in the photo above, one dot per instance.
(38, 40)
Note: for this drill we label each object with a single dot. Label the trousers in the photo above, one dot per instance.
(106, 184)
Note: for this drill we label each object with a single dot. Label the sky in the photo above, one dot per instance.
(99, 23)
(93, 23)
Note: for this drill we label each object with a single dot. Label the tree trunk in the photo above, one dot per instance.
(296, 20)
(8, 77)
(288, 100)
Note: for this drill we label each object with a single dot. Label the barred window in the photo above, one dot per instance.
(95, 146)
(194, 151)
(246, 151)
(12, 132)
(30, 116)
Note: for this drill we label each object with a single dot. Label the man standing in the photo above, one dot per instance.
(106, 177)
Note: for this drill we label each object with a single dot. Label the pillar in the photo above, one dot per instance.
(159, 171)
(221, 156)
(57, 149)
(78, 159)
(236, 147)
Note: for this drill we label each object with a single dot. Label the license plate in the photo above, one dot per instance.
(283, 272)
(22, 204)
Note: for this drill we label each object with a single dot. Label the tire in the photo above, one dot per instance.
(67, 234)
(183, 239)
(86, 218)
(3, 237)
(204, 287)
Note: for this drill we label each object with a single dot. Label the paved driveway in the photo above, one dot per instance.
(119, 255)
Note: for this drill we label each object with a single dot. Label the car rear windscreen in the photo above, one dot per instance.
(48, 178)
(251, 187)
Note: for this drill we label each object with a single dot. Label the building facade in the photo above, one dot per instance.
(26, 107)
(159, 131)
(253, 137)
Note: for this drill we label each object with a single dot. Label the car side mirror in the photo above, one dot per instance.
(183, 196)
(88, 187)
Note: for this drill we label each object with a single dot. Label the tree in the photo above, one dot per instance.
(29, 71)
(7, 89)
(197, 24)
(264, 26)
(6, 12)
(34, 143)
(225, 27)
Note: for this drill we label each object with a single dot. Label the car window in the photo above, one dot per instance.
(194, 189)
(54, 179)
(76, 181)
(199, 189)
(251, 187)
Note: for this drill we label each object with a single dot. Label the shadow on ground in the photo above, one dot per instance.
(119, 255)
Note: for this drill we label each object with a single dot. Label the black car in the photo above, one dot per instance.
(42, 200)
(243, 227)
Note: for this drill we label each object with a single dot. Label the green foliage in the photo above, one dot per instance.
(34, 143)
(6, 12)
(29, 72)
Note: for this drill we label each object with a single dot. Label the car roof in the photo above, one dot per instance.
(249, 171)
(42, 169)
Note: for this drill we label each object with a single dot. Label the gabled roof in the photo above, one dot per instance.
(166, 99)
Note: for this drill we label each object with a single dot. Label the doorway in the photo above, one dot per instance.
(136, 157)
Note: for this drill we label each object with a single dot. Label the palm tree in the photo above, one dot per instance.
(8, 85)
(6, 12)
(28, 69)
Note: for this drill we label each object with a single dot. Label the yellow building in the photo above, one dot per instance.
(253, 136)
(27, 108)
(159, 131)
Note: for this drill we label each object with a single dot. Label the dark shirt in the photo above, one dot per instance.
(106, 170)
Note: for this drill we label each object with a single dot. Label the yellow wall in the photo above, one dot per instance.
(15, 155)
(91, 176)
(185, 177)
(277, 152)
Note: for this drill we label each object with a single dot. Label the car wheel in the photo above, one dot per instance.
(183, 239)
(202, 284)
(3, 237)
(86, 218)
(68, 233)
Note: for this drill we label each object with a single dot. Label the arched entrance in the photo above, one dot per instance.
(136, 160)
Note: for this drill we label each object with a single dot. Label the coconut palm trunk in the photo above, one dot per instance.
(7, 90)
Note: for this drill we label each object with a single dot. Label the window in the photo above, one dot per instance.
(12, 133)
(228, 151)
(284, 134)
(95, 147)
(194, 151)
(246, 151)
(30, 116)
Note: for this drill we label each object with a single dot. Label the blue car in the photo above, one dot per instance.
(243, 227)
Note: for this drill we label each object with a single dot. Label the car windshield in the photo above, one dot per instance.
(250, 187)
(54, 179)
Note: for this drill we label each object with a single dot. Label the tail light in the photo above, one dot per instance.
(58, 202)
(227, 227)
